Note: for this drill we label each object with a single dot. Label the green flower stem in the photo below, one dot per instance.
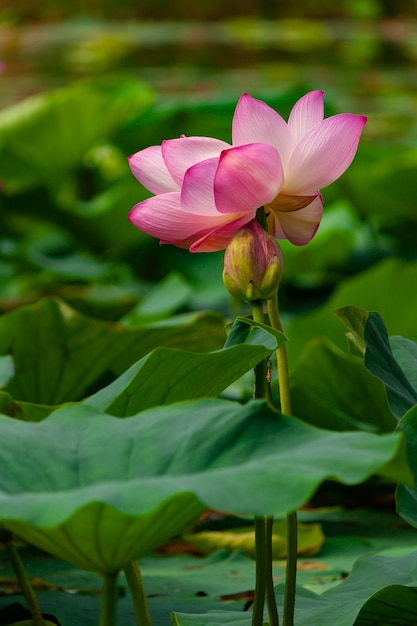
(282, 359)
(22, 577)
(260, 582)
(291, 570)
(260, 539)
(140, 603)
(285, 398)
(261, 369)
(270, 593)
(109, 600)
(264, 585)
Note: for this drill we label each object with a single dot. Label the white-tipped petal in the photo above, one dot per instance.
(306, 113)
(181, 154)
(148, 166)
(256, 122)
(324, 153)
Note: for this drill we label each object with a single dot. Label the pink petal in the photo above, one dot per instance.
(180, 154)
(149, 168)
(218, 238)
(255, 122)
(247, 177)
(300, 226)
(197, 193)
(163, 217)
(306, 113)
(324, 153)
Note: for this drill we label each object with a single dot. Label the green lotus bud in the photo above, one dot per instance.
(253, 264)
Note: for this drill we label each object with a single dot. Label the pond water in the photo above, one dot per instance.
(365, 66)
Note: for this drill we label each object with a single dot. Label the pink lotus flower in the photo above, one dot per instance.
(206, 189)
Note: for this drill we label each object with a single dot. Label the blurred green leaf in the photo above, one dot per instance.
(164, 299)
(48, 134)
(310, 539)
(330, 252)
(59, 353)
(332, 389)
(6, 370)
(384, 287)
(387, 182)
(55, 253)
(195, 332)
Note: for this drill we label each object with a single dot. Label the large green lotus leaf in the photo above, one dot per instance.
(332, 389)
(48, 134)
(60, 354)
(357, 601)
(393, 361)
(385, 288)
(165, 376)
(98, 491)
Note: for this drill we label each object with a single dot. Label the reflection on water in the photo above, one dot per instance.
(367, 66)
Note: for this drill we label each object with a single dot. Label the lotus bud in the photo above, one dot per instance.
(253, 264)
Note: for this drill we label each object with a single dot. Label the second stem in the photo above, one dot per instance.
(263, 525)
(285, 401)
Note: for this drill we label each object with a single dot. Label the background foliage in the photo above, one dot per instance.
(92, 307)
